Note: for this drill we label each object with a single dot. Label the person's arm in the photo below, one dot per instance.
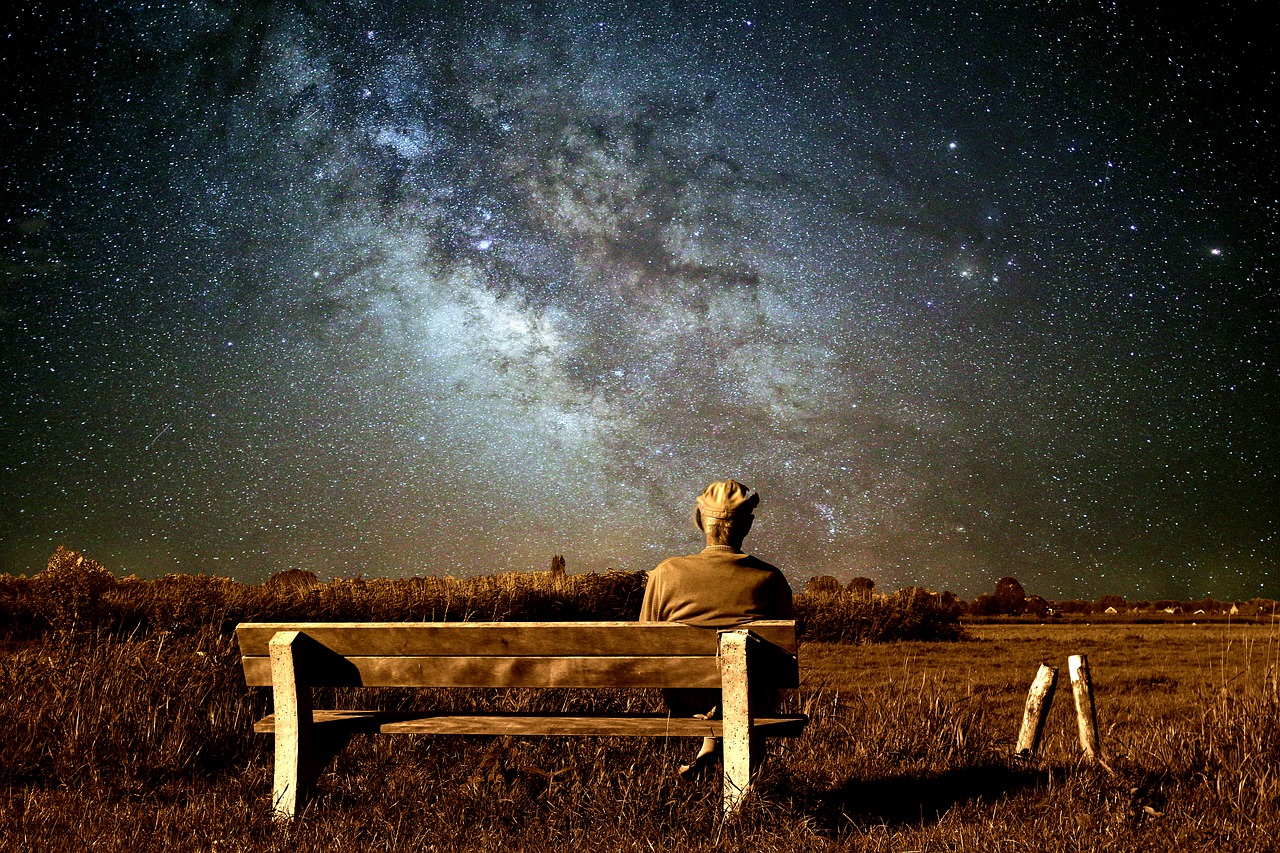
(782, 597)
(649, 606)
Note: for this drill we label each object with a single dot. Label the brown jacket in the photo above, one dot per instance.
(717, 588)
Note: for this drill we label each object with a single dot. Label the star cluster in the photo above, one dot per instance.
(964, 290)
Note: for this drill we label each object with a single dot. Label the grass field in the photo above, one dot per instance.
(116, 743)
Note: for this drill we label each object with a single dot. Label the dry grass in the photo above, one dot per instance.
(76, 593)
(140, 739)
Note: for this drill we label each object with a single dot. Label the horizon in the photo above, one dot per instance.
(290, 574)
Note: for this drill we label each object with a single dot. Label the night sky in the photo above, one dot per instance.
(963, 289)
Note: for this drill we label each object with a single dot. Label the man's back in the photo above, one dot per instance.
(721, 587)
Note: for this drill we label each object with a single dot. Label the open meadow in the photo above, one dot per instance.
(131, 735)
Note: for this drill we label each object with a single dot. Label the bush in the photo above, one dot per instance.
(72, 584)
(862, 587)
(1011, 598)
(1036, 606)
(823, 585)
(985, 605)
(911, 613)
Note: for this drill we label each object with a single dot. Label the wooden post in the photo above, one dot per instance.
(735, 701)
(294, 727)
(1039, 698)
(1086, 713)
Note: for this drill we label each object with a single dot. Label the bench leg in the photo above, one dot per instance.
(300, 751)
(739, 745)
(298, 766)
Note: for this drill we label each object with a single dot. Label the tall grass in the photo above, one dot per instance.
(146, 742)
(77, 593)
(127, 726)
(120, 743)
(88, 708)
(841, 616)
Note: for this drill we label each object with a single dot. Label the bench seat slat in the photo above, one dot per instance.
(653, 725)
(500, 672)
(503, 639)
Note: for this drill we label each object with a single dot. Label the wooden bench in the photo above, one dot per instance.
(291, 658)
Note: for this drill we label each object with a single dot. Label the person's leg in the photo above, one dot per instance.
(707, 756)
(704, 704)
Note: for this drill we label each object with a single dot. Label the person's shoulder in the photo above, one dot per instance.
(671, 564)
(757, 563)
(774, 578)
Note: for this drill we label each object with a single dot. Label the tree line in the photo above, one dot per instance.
(1010, 598)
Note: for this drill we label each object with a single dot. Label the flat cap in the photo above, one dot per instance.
(727, 499)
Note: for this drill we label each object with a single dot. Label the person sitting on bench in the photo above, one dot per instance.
(719, 587)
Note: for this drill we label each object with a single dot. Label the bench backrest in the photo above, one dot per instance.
(516, 654)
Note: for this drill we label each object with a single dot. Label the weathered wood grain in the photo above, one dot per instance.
(1036, 712)
(602, 725)
(293, 727)
(498, 672)
(1086, 711)
(736, 708)
(507, 639)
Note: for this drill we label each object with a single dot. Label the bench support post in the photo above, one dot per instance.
(298, 760)
(735, 699)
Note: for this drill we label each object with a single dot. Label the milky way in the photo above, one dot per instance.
(410, 288)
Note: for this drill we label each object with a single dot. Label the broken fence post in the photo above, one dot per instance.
(1086, 713)
(1039, 698)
